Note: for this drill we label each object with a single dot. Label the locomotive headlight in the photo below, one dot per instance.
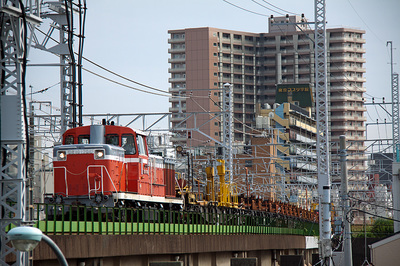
(61, 155)
(99, 154)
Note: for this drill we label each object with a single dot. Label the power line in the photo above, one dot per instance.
(43, 90)
(375, 215)
(374, 204)
(364, 21)
(112, 72)
(245, 9)
(279, 8)
(267, 7)
(124, 85)
(123, 77)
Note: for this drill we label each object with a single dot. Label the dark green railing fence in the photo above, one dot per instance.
(61, 219)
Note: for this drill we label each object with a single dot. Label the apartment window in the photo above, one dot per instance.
(215, 84)
(215, 44)
(215, 54)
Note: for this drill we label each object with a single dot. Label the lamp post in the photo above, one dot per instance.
(25, 238)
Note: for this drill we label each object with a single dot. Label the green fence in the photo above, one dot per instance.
(61, 219)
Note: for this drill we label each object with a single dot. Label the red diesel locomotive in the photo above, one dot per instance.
(108, 165)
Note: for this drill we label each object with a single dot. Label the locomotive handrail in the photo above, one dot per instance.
(65, 177)
(102, 183)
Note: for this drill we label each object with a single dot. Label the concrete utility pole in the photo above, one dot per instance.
(321, 92)
(15, 18)
(348, 258)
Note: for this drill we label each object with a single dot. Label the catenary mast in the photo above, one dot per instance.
(321, 92)
(15, 18)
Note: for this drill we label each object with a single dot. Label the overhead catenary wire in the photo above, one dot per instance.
(375, 215)
(43, 90)
(373, 204)
(267, 7)
(127, 86)
(279, 8)
(247, 10)
(112, 72)
(355, 11)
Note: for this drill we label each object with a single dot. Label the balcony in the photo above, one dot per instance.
(177, 119)
(304, 80)
(177, 90)
(339, 78)
(177, 70)
(176, 40)
(170, 80)
(287, 62)
(304, 51)
(334, 117)
(176, 50)
(176, 109)
(176, 99)
(347, 88)
(176, 60)
(346, 39)
(226, 59)
(249, 62)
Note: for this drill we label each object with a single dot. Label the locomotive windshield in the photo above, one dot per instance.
(84, 139)
(69, 140)
(112, 139)
(141, 145)
(127, 141)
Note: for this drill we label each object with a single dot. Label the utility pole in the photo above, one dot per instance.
(321, 92)
(15, 18)
(348, 258)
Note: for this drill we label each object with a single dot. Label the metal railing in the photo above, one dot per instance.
(68, 220)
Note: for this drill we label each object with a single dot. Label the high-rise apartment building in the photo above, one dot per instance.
(203, 59)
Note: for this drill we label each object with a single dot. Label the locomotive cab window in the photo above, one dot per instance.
(69, 140)
(128, 143)
(84, 139)
(141, 145)
(112, 139)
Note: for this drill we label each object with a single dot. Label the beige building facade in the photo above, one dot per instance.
(202, 60)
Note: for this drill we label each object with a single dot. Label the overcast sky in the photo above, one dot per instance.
(130, 38)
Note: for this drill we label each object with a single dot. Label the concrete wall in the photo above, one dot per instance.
(196, 250)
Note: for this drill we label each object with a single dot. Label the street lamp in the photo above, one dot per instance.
(25, 238)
